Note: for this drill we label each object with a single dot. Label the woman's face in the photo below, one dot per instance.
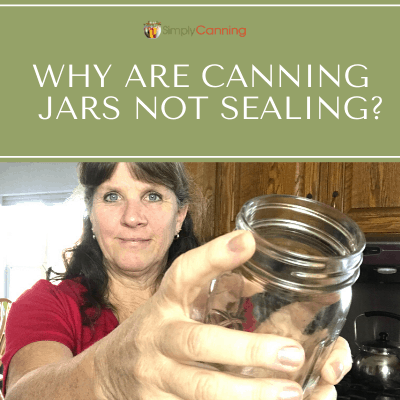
(135, 222)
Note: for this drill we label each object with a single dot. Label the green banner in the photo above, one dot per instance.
(285, 81)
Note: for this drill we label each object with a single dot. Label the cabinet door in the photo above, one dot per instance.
(372, 196)
(331, 184)
(239, 182)
(203, 198)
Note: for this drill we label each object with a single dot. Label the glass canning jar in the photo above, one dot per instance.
(297, 284)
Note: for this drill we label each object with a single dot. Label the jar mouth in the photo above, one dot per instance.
(302, 244)
(302, 228)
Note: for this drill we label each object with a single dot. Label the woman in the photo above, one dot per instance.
(113, 329)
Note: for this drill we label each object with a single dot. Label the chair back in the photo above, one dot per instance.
(5, 305)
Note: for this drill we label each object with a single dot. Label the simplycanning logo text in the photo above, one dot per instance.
(203, 30)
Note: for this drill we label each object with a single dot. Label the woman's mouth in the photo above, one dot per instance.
(135, 242)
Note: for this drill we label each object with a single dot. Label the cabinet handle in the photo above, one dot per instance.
(309, 196)
(334, 195)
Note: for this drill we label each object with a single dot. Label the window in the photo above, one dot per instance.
(35, 230)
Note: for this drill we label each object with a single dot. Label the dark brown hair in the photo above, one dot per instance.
(84, 261)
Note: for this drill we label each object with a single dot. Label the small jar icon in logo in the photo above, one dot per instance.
(152, 30)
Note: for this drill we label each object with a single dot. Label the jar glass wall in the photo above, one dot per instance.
(297, 284)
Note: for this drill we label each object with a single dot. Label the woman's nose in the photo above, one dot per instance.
(134, 214)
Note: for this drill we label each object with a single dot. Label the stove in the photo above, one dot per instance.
(377, 290)
(352, 389)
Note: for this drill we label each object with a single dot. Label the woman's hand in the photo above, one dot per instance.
(158, 352)
(337, 366)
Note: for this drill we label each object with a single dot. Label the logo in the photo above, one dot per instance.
(152, 30)
(203, 30)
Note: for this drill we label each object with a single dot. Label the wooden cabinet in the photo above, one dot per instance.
(367, 192)
(204, 177)
(239, 182)
(227, 186)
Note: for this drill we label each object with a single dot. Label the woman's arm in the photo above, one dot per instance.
(48, 370)
(156, 352)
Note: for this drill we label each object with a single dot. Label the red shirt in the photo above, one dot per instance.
(51, 312)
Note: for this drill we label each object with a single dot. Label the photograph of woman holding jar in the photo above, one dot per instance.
(124, 323)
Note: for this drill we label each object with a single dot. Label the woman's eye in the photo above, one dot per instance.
(154, 197)
(111, 197)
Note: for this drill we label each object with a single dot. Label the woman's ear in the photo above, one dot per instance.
(91, 220)
(181, 216)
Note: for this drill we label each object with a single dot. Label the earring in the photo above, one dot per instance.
(94, 236)
(176, 236)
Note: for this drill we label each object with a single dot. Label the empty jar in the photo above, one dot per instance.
(297, 284)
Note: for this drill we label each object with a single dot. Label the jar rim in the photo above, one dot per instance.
(242, 221)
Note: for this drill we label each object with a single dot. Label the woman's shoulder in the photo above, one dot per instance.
(44, 289)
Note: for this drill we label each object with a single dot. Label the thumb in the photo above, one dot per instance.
(193, 270)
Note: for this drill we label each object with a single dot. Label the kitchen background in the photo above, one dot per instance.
(368, 192)
(37, 222)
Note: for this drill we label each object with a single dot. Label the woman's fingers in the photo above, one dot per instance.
(324, 391)
(339, 362)
(191, 341)
(186, 341)
(191, 383)
(194, 269)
